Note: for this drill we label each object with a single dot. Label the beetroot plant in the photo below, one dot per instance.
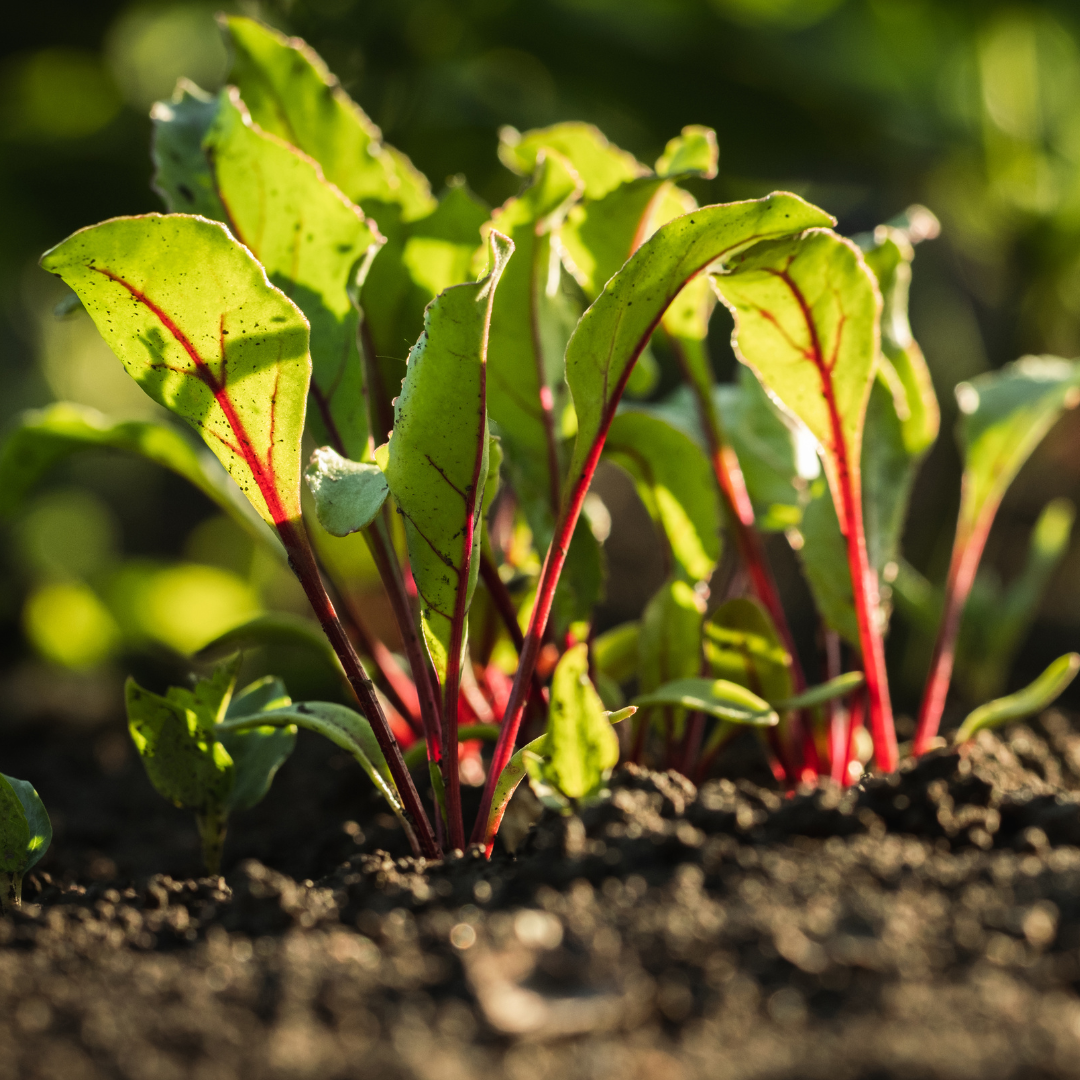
(270, 308)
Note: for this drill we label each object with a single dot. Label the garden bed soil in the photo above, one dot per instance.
(922, 925)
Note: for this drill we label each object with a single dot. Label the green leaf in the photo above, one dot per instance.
(194, 320)
(693, 151)
(509, 779)
(742, 646)
(581, 747)
(615, 329)
(823, 555)
(524, 363)
(177, 742)
(1033, 698)
(259, 752)
(348, 494)
(46, 436)
(279, 628)
(39, 827)
(675, 482)
(717, 697)
(315, 245)
(291, 94)
(669, 645)
(581, 585)
(341, 726)
(1004, 416)
(615, 652)
(841, 686)
(806, 321)
(438, 457)
(182, 175)
(419, 260)
(14, 832)
(600, 164)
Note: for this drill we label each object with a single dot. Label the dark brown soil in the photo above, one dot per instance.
(924, 925)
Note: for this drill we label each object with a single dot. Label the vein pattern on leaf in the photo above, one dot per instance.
(195, 321)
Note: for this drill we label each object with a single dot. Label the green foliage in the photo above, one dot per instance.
(1032, 699)
(25, 836)
(199, 327)
(674, 481)
(45, 437)
(580, 748)
(742, 646)
(195, 761)
(438, 459)
(348, 494)
(717, 697)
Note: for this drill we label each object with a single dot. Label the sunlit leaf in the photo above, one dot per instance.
(524, 362)
(291, 94)
(675, 483)
(581, 747)
(742, 646)
(617, 326)
(717, 697)
(194, 320)
(438, 456)
(839, 687)
(1032, 699)
(694, 150)
(600, 164)
(615, 652)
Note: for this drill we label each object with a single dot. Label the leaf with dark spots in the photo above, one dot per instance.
(244, 388)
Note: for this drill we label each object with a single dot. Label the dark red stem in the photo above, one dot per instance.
(302, 560)
(967, 551)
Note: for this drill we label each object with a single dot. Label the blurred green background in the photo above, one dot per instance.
(863, 107)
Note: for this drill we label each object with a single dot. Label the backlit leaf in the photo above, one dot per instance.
(675, 482)
(438, 455)
(717, 697)
(742, 646)
(197, 324)
(257, 753)
(694, 150)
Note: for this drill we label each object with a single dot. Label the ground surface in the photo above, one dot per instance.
(924, 926)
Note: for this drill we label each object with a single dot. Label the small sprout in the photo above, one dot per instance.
(25, 835)
(198, 763)
(1032, 699)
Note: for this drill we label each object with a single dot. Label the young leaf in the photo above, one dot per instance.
(742, 646)
(675, 483)
(348, 494)
(581, 746)
(669, 645)
(257, 753)
(599, 163)
(342, 726)
(1032, 699)
(692, 151)
(437, 469)
(182, 175)
(46, 436)
(291, 94)
(509, 779)
(839, 687)
(717, 697)
(194, 320)
(524, 367)
(806, 320)
(25, 836)
(1004, 416)
(615, 652)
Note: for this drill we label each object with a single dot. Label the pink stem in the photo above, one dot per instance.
(967, 551)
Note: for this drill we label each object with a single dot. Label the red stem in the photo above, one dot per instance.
(863, 579)
(390, 572)
(967, 551)
(302, 560)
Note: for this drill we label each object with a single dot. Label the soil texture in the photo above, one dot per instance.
(921, 925)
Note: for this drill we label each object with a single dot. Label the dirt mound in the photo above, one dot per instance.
(921, 925)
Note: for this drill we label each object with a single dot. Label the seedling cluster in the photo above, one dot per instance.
(300, 254)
